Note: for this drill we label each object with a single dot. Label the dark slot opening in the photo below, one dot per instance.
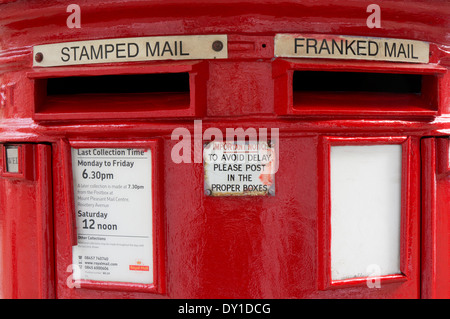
(119, 84)
(323, 81)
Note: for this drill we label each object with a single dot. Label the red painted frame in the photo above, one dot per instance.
(324, 258)
(435, 221)
(26, 161)
(443, 162)
(158, 285)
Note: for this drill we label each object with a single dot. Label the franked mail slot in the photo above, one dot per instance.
(117, 93)
(357, 89)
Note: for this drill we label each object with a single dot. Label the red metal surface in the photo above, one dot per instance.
(258, 247)
(435, 218)
(27, 232)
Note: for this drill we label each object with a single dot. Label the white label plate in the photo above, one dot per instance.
(113, 209)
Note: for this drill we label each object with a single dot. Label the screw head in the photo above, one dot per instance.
(217, 46)
(39, 57)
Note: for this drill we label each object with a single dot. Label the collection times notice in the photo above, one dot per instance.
(113, 209)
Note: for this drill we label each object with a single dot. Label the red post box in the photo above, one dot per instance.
(224, 149)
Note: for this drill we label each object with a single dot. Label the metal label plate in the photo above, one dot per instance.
(350, 47)
(189, 47)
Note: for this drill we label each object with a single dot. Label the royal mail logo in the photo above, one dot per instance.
(139, 266)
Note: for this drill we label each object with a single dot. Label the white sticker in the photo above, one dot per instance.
(239, 168)
(113, 209)
(12, 159)
(366, 200)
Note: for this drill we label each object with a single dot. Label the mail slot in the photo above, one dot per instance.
(317, 89)
(229, 150)
(157, 91)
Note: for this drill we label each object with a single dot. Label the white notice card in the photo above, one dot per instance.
(113, 209)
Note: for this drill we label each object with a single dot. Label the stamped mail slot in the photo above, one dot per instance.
(174, 89)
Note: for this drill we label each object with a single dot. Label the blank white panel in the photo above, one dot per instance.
(365, 185)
